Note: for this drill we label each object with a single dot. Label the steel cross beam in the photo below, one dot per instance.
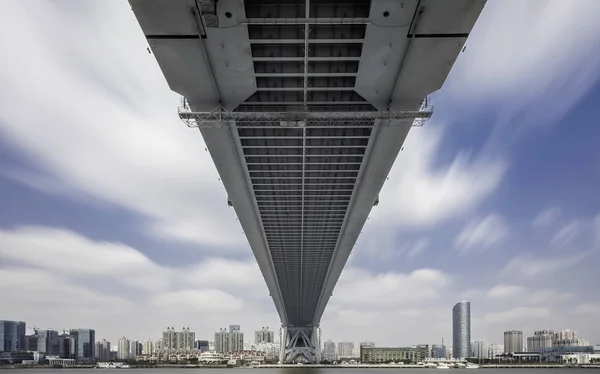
(300, 117)
(300, 345)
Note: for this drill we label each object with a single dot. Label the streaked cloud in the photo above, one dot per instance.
(546, 217)
(530, 265)
(567, 233)
(481, 234)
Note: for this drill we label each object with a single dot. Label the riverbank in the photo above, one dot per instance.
(306, 366)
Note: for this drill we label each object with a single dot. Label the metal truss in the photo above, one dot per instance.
(300, 344)
(297, 116)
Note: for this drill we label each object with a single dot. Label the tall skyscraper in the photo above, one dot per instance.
(124, 349)
(461, 330)
(47, 342)
(12, 336)
(264, 336)
(67, 346)
(103, 350)
(513, 341)
(85, 343)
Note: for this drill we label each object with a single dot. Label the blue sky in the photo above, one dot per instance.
(112, 215)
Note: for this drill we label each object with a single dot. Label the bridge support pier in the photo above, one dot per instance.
(300, 344)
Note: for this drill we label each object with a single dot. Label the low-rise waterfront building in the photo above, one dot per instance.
(382, 355)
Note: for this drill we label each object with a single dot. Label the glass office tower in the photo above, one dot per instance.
(461, 330)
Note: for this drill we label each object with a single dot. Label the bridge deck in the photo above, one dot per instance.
(261, 80)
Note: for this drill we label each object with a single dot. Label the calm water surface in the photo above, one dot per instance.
(300, 371)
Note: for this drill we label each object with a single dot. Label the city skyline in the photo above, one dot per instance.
(170, 339)
(114, 217)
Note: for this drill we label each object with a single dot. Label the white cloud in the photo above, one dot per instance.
(208, 300)
(549, 51)
(52, 276)
(508, 294)
(517, 314)
(505, 290)
(68, 253)
(112, 119)
(546, 217)
(419, 194)
(530, 265)
(481, 233)
(360, 288)
(587, 308)
(567, 233)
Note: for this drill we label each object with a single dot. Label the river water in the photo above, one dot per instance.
(295, 371)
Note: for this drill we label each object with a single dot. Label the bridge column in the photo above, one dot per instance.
(301, 344)
(282, 344)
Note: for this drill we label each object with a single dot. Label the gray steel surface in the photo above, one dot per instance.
(256, 75)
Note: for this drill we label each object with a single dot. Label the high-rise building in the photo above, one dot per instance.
(135, 349)
(169, 339)
(67, 346)
(12, 336)
(221, 345)
(567, 338)
(124, 349)
(47, 342)
(186, 339)
(264, 336)
(31, 343)
(148, 347)
(85, 343)
(345, 349)
(513, 341)
(103, 350)
(540, 341)
(461, 330)
(236, 339)
(564, 335)
(329, 351)
(231, 340)
(178, 341)
(479, 349)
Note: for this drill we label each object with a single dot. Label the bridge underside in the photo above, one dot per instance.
(304, 106)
